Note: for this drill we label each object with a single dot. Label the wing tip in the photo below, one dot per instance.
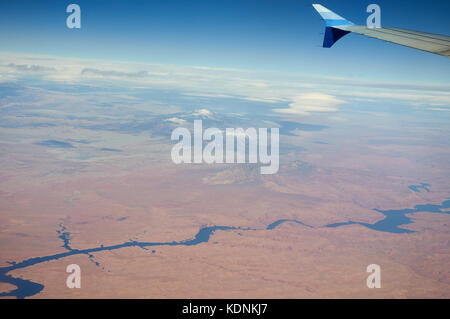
(331, 18)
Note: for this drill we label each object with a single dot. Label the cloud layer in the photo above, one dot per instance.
(306, 103)
(284, 93)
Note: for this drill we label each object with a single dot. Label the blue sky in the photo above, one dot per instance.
(277, 35)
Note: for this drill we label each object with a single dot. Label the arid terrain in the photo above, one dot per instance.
(86, 178)
(113, 201)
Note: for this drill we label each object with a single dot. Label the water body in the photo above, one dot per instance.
(92, 258)
(26, 288)
(417, 188)
(397, 217)
(64, 236)
(281, 221)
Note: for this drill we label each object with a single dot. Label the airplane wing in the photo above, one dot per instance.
(336, 27)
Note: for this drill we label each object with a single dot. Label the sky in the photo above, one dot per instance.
(269, 35)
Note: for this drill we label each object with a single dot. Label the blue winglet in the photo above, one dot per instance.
(332, 34)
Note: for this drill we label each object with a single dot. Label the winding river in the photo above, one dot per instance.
(26, 288)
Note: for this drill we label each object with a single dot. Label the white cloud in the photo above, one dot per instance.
(176, 120)
(202, 112)
(306, 103)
